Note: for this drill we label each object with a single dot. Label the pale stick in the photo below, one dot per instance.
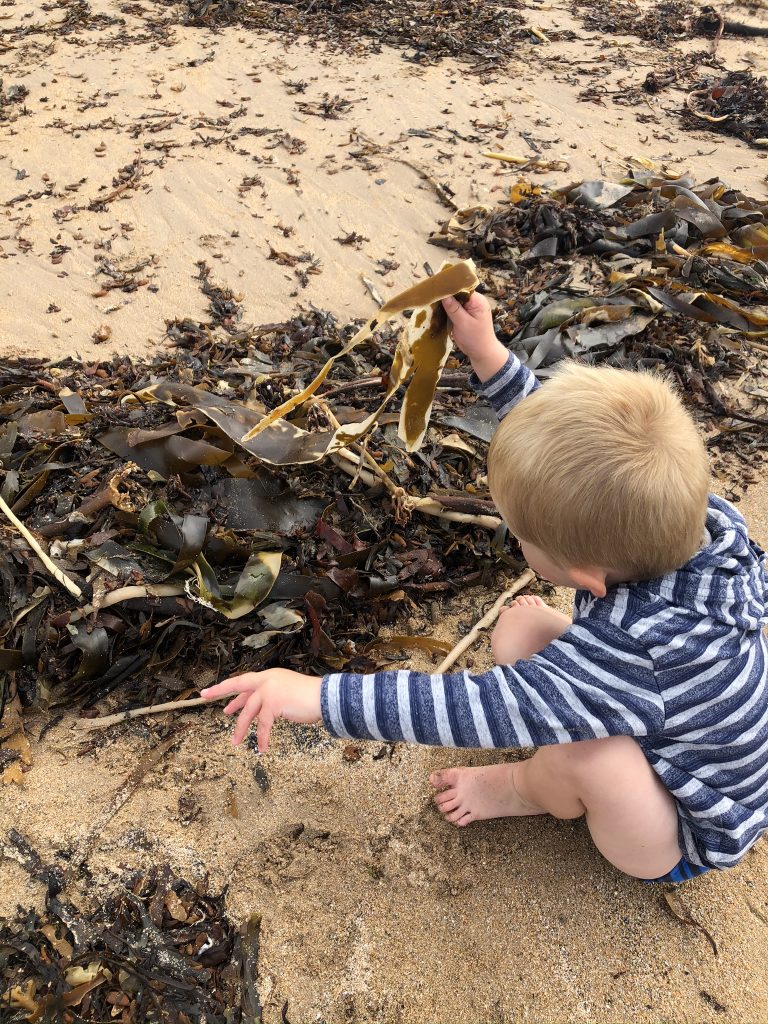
(487, 620)
(54, 570)
(91, 724)
(350, 463)
(432, 507)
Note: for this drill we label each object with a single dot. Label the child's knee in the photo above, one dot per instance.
(523, 630)
(608, 752)
(591, 762)
(584, 769)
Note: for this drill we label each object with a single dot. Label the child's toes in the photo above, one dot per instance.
(444, 778)
(446, 802)
(457, 817)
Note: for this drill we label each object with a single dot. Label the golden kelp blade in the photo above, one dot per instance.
(429, 344)
(450, 280)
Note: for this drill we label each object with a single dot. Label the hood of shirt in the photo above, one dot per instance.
(727, 578)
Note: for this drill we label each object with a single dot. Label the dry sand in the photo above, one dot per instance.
(377, 911)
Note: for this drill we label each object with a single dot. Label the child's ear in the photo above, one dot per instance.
(591, 579)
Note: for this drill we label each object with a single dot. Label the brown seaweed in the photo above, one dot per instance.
(158, 947)
(192, 552)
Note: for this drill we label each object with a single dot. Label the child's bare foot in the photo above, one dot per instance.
(528, 599)
(474, 794)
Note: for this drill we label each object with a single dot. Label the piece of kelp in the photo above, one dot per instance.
(251, 588)
(417, 355)
(263, 504)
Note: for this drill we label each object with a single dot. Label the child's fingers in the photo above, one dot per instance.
(236, 704)
(475, 306)
(250, 711)
(456, 312)
(245, 683)
(263, 730)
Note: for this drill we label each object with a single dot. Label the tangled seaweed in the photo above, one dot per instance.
(645, 246)
(474, 32)
(188, 556)
(651, 271)
(157, 948)
(734, 105)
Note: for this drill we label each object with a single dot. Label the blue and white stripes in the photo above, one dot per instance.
(680, 663)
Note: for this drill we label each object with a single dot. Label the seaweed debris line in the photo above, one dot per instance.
(158, 947)
(176, 501)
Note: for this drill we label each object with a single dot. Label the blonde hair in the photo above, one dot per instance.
(603, 467)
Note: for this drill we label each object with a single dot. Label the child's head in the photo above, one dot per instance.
(603, 468)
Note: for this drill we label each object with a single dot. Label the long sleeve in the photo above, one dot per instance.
(507, 386)
(592, 682)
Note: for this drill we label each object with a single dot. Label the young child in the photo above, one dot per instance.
(650, 708)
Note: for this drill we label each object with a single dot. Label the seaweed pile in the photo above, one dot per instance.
(167, 532)
(648, 271)
(735, 104)
(485, 33)
(157, 948)
(660, 23)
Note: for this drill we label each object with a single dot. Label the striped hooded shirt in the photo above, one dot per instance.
(678, 662)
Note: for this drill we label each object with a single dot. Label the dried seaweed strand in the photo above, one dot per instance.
(54, 570)
(700, 113)
(487, 620)
(683, 914)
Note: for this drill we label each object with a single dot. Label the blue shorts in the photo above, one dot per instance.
(683, 871)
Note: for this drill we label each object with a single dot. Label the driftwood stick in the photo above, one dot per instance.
(91, 724)
(54, 570)
(487, 620)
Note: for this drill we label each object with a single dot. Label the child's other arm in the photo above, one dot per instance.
(590, 683)
(499, 375)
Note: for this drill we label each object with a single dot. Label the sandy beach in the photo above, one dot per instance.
(125, 165)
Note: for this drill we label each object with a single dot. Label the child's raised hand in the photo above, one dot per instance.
(473, 334)
(269, 695)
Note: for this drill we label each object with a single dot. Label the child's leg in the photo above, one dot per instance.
(631, 816)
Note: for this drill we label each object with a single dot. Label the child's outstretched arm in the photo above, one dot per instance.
(499, 375)
(592, 682)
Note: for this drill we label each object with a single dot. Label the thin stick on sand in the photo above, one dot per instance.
(91, 724)
(54, 570)
(487, 620)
